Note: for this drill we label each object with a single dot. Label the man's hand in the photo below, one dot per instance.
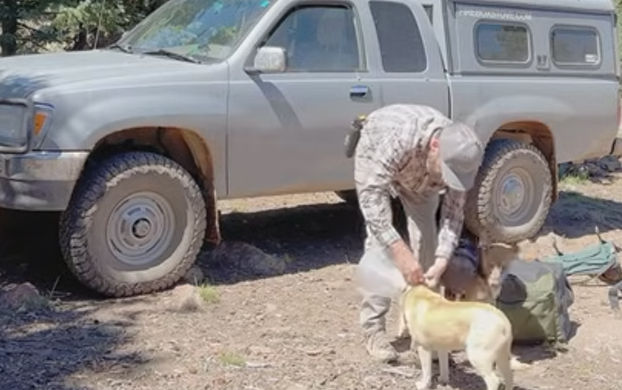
(412, 271)
(434, 273)
(406, 262)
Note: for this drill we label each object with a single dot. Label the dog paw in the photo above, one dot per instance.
(422, 385)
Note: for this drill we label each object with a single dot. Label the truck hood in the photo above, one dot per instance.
(21, 76)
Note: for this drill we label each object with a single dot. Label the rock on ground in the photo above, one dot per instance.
(22, 297)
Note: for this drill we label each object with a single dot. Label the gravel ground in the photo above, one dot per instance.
(280, 311)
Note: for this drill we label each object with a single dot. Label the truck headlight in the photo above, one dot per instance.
(15, 117)
(21, 122)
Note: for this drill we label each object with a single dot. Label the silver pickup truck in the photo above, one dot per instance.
(206, 100)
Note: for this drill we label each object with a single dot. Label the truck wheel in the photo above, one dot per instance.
(134, 225)
(511, 197)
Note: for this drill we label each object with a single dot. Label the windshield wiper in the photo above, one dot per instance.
(172, 54)
(125, 49)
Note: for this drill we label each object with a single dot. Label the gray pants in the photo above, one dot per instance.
(423, 237)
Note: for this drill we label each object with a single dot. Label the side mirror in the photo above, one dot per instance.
(269, 59)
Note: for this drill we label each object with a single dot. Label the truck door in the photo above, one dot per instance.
(286, 130)
(412, 69)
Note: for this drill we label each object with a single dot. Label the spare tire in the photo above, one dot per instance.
(512, 194)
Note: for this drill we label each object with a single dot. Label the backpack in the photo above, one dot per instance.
(597, 261)
(536, 296)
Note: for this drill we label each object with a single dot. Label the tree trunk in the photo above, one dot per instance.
(80, 41)
(8, 22)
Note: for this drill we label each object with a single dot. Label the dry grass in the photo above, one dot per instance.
(232, 359)
(208, 293)
(576, 178)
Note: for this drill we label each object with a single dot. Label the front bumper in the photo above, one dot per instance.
(39, 181)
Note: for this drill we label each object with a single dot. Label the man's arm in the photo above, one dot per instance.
(452, 217)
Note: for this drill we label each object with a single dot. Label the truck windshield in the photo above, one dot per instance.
(204, 30)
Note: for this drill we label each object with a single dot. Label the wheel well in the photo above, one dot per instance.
(537, 134)
(183, 146)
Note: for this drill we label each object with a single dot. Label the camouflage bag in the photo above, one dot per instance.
(536, 296)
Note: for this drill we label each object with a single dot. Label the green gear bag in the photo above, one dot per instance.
(597, 261)
(536, 296)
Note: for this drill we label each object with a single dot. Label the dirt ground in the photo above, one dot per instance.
(280, 312)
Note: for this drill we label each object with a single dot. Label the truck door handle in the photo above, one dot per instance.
(359, 91)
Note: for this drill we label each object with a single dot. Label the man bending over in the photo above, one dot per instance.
(412, 152)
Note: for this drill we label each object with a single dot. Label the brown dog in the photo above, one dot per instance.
(485, 286)
(480, 329)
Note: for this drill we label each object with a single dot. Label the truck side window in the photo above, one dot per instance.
(502, 43)
(401, 45)
(318, 38)
(575, 46)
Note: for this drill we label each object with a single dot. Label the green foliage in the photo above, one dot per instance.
(88, 13)
(42, 25)
(17, 19)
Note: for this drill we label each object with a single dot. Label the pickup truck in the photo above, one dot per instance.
(203, 100)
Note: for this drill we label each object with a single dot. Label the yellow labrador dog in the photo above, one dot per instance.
(438, 324)
(480, 284)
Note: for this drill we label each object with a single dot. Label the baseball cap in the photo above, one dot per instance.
(462, 153)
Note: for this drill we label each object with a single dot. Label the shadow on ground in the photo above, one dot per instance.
(53, 345)
(533, 353)
(464, 375)
(256, 245)
(275, 242)
(49, 343)
(29, 252)
(576, 215)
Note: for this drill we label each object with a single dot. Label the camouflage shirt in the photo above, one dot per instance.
(391, 158)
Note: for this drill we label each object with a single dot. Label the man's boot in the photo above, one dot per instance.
(378, 346)
(372, 319)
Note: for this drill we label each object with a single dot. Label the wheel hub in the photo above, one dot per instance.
(515, 193)
(140, 229)
(512, 194)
